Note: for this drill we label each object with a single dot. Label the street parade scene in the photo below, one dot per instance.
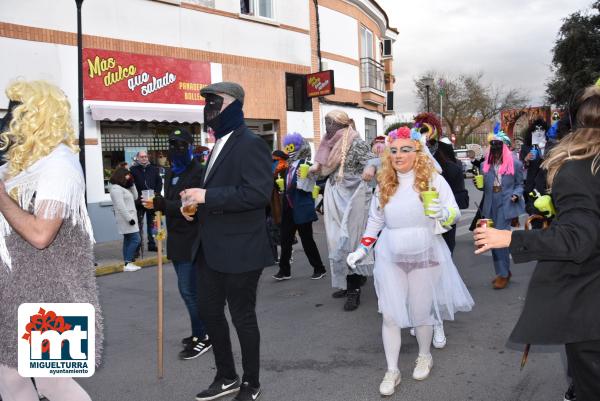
(300, 200)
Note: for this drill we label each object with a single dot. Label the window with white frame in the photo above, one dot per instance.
(257, 8)
(366, 37)
(204, 3)
(370, 130)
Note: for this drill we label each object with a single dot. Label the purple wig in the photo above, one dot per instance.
(294, 138)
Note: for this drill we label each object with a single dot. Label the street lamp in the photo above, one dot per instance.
(79, 3)
(428, 82)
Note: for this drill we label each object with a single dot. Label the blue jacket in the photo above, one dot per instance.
(511, 185)
(303, 204)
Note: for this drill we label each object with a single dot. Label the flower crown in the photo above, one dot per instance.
(404, 133)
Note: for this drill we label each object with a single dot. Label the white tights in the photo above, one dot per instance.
(13, 387)
(390, 333)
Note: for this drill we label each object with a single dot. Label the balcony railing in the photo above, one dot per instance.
(371, 75)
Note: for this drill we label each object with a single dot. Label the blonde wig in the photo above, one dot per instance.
(40, 123)
(584, 141)
(387, 177)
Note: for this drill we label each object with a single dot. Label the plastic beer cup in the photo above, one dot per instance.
(479, 181)
(304, 167)
(428, 196)
(315, 192)
(280, 184)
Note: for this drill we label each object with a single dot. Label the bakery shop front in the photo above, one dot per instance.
(132, 102)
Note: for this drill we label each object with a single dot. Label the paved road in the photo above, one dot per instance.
(314, 351)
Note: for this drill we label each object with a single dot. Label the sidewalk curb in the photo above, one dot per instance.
(118, 267)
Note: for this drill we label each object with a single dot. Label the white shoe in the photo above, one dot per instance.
(390, 381)
(439, 338)
(130, 267)
(423, 366)
(412, 332)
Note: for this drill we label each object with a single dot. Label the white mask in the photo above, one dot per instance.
(538, 137)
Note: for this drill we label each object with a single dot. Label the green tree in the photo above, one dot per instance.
(576, 59)
(468, 103)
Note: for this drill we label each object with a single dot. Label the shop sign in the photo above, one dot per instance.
(320, 84)
(129, 77)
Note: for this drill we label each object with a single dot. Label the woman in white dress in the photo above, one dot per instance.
(416, 281)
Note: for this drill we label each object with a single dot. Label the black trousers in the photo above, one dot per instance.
(239, 292)
(288, 232)
(450, 238)
(584, 366)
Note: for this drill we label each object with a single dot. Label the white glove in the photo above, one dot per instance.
(355, 256)
(437, 211)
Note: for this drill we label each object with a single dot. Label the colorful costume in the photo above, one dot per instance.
(298, 209)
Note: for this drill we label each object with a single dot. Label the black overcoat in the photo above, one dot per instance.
(563, 299)
(232, 223)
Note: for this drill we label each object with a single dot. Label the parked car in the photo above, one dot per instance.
(463, 158)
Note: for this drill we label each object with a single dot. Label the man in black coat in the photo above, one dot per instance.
(146, 176)
(185, 172)
(234, 246)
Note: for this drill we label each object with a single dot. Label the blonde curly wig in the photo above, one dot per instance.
(40, 123)
(387, 177)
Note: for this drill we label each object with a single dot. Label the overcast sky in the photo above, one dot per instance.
(509, 40)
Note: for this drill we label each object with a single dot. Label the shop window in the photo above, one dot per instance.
(257, 8)
(122, 140)
(370, 130)
(295, 93)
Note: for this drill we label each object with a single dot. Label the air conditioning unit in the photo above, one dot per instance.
(389, 101)
(387, 48)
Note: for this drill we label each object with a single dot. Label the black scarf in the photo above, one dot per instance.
(228, 120)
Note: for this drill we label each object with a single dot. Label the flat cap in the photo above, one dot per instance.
(229, 88)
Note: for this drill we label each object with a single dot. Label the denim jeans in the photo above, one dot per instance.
(130, 243)
(186, 282)
(149, 224)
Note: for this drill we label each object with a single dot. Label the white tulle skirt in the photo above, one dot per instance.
(416, 281)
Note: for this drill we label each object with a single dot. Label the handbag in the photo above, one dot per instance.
(462, 199)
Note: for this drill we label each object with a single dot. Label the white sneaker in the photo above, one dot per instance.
(439, 338)
(390, 381)
(423, 366)
(131, 267)
(412, 332)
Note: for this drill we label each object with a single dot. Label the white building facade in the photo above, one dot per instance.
(145, 61)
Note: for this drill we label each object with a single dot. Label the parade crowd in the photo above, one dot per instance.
(390, 210)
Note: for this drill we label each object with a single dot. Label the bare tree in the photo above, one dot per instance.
(468, 103)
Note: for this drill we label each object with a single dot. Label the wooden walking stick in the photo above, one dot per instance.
(159, 237)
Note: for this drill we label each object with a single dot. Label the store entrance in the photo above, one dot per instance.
(121, 140)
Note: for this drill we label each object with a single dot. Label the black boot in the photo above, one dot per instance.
(352, 300)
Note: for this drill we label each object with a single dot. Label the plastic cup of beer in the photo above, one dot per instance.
(479, 181)
(189, 207)
(428, 196)
(304, 167)
(485, 223)
(147, 196)
(280, 184)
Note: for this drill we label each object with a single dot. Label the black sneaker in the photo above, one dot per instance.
(282, 276)
(352, 300)
(247, 393)
(570, 394)
(219, 388)
(186, 341)
(318, 275)
(196, 348)
(339, 294)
